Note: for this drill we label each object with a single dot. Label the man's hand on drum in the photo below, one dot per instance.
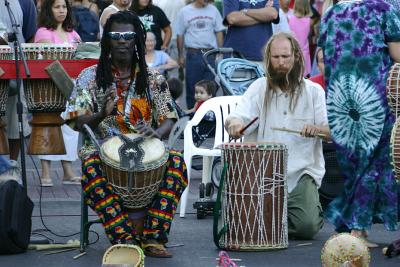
(146, 130)
(233, 126)
(109, 102)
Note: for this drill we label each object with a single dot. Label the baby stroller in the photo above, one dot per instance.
(233, 74)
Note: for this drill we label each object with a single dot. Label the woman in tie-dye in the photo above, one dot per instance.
(120, 96)
(360, 40)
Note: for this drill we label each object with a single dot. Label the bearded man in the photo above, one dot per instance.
(284, 99)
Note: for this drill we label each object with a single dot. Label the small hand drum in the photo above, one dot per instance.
(345, 250)
(123, 255)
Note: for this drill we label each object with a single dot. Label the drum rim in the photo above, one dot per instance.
(255, 145)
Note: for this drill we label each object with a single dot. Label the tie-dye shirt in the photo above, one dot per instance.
(354, 36)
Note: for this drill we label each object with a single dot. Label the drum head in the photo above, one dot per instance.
(154, 149)
(124, 255)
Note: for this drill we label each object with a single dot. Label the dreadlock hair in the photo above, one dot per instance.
(104, 77)
(294, 77)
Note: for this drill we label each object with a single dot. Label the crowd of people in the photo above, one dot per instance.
(326, 64)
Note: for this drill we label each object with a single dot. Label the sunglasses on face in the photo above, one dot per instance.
(118, 35)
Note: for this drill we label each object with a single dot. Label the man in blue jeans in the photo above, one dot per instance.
(199, 29)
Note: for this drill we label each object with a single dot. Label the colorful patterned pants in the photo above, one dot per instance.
(100, 196)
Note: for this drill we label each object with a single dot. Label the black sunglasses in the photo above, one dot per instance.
(118, 35)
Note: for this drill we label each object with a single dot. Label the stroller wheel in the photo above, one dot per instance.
(209, 190)
(216, 172)
(200, 214)
(202, 190)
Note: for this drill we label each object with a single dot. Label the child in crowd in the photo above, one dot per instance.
(203, 90)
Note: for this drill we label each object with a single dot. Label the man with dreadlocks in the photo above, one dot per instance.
(100, 99)
(284, 99)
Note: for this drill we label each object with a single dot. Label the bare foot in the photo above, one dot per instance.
(363, 235)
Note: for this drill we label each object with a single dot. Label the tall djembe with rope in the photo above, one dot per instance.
(253, 197)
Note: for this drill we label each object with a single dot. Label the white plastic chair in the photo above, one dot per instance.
(221, 106)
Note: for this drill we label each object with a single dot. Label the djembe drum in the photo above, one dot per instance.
(254, 197)
(139, 190)
(45, 101)
(136, 187)
(393, 89)
(6, 53)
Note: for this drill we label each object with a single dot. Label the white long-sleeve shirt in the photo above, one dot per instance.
(304, 154)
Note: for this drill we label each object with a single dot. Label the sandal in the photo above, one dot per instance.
(46, 182)
(73, 180)
(363, 235)
(155, 250)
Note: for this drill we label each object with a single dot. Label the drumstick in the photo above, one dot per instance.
(245, 128)
(248, 125)
(320, 135)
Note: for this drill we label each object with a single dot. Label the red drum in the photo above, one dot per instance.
(393, 89)
(254, 196)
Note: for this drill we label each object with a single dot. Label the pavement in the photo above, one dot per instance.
(191, 241)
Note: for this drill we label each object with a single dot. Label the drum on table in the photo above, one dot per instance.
(123, 255)
(393, 89)
(46, 102)
(6, 53)
(254, 197)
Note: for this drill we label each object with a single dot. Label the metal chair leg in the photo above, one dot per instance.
(84, 220)
(85, 224)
